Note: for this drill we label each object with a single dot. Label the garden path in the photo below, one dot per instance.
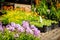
(51, 35)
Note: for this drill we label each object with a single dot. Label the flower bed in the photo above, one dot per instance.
(18, 16)
(15, 31)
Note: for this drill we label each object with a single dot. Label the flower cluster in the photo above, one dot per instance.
(25, 27)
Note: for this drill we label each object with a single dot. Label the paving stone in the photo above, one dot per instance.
(51, 35)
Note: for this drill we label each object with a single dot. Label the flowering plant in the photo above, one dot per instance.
(15, 31)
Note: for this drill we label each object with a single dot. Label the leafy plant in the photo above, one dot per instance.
(18, 16)
(52, 14)
(58, 15)
(44, 22)
(14, 31)
(22, 36)
(42, 8)
(26, 37)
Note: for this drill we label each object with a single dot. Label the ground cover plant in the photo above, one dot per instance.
(13, 31)
(18, 16)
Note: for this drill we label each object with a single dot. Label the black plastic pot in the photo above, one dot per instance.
(49, 28)
(41, 29)
(45, 28)
(53, 25)
(59, 23)
(56, 25)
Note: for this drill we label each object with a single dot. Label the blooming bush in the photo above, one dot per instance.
(15, 31)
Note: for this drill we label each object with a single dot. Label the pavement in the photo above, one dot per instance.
(51, 35)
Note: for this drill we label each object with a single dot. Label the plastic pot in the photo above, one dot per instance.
(45, 28)
(41, 29)
(53, 25)
(59, 23)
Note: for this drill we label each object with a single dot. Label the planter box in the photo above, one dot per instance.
(7, 5)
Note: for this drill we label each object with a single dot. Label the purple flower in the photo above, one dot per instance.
(11, 28)
(0, 23)
(7, 26)
(28, 30)
(17, 26)
(32, 27)
(1, 28)
(36, 32)
(12, 24)
(25, 24)
(21, 29)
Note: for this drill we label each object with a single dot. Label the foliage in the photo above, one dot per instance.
(27, 37)
(15, 31)
(42, 8)
(48, 11)
(18, 16)
(52, 14)
(58, 15)
(32, 8)
(10, 36)
(44, 22)
(3, 11)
